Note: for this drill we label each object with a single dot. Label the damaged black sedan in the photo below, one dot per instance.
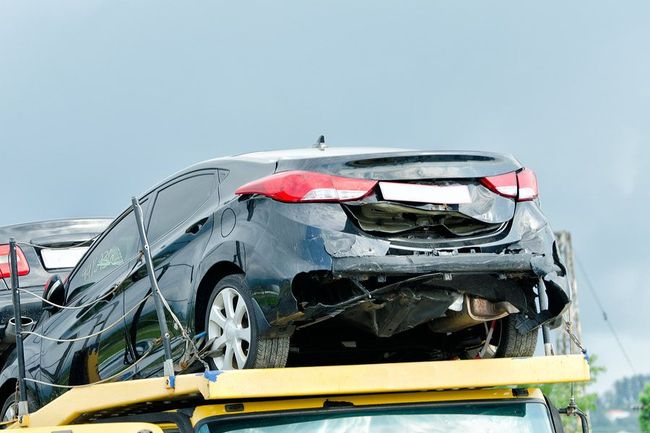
(441, 253)
(306, 256)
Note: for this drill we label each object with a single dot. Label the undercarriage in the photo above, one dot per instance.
(397, 297)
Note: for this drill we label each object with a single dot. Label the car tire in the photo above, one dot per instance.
(512, 343)
(233, 329)
(10, 402)
(505, 341)
(9, 405)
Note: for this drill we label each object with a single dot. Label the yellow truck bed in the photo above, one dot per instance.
(313, 382)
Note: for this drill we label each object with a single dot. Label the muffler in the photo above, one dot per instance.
(474, 311)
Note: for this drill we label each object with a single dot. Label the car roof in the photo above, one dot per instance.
(306, 153)
(331, 152)
(274, 157)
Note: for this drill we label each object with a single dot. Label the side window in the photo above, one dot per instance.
(119, 246)
(178, 202)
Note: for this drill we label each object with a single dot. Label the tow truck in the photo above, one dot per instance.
(488, 395)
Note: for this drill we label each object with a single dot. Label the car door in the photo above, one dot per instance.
(178, 231)
(86, 340)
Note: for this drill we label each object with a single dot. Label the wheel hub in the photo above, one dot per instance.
(229, 329)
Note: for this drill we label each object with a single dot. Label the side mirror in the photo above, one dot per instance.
(54, 294)
(573, 410)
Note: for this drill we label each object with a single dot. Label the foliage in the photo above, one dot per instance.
(623, 396)
(644, 417)
(625, 392)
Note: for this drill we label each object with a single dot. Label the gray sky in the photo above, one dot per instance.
(101, 99)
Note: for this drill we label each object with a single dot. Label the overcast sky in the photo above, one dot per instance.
(101, 99)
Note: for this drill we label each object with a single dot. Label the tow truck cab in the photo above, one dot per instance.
(504, 410)
(443, 396)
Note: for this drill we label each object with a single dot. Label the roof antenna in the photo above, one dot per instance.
(320, 143)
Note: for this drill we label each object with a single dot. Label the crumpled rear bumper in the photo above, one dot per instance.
(324, 266)
(477, 263)
(480, 274)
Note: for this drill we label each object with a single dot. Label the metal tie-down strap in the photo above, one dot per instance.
(543, 306)
(23, 408)
(168, 366)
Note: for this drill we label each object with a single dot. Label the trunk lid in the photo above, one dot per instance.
(423, 198)
(407, 165)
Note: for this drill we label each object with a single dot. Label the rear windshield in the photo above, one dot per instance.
(462, 418)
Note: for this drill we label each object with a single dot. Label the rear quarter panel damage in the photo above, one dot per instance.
(274, 242)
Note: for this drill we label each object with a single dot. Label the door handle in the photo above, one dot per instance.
(196, 227)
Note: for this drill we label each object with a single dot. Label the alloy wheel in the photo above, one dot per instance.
(10, 413)
(229, 330)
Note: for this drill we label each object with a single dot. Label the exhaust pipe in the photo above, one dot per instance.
(9, 331)
(474, 311)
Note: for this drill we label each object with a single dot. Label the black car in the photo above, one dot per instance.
(44, 248)
(374, 252)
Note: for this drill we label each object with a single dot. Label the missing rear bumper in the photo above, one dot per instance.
(386, 295)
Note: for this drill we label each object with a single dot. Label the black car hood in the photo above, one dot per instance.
(407, 165)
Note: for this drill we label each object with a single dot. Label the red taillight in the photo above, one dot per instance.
(527, 185)
(5, 270)
(503, 184)
(521, 186)
(305, 186)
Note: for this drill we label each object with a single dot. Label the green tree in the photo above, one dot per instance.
(624, 395)
(644, 417)
(625, 392)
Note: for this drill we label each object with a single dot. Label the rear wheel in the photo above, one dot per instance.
(512, 343)
(232, 329)
(10, 408)
(501, 339)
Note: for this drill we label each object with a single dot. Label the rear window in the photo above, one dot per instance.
(177, 202)
(61, 258)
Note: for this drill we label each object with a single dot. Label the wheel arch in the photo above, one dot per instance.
(214, 274)
(7, 388)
